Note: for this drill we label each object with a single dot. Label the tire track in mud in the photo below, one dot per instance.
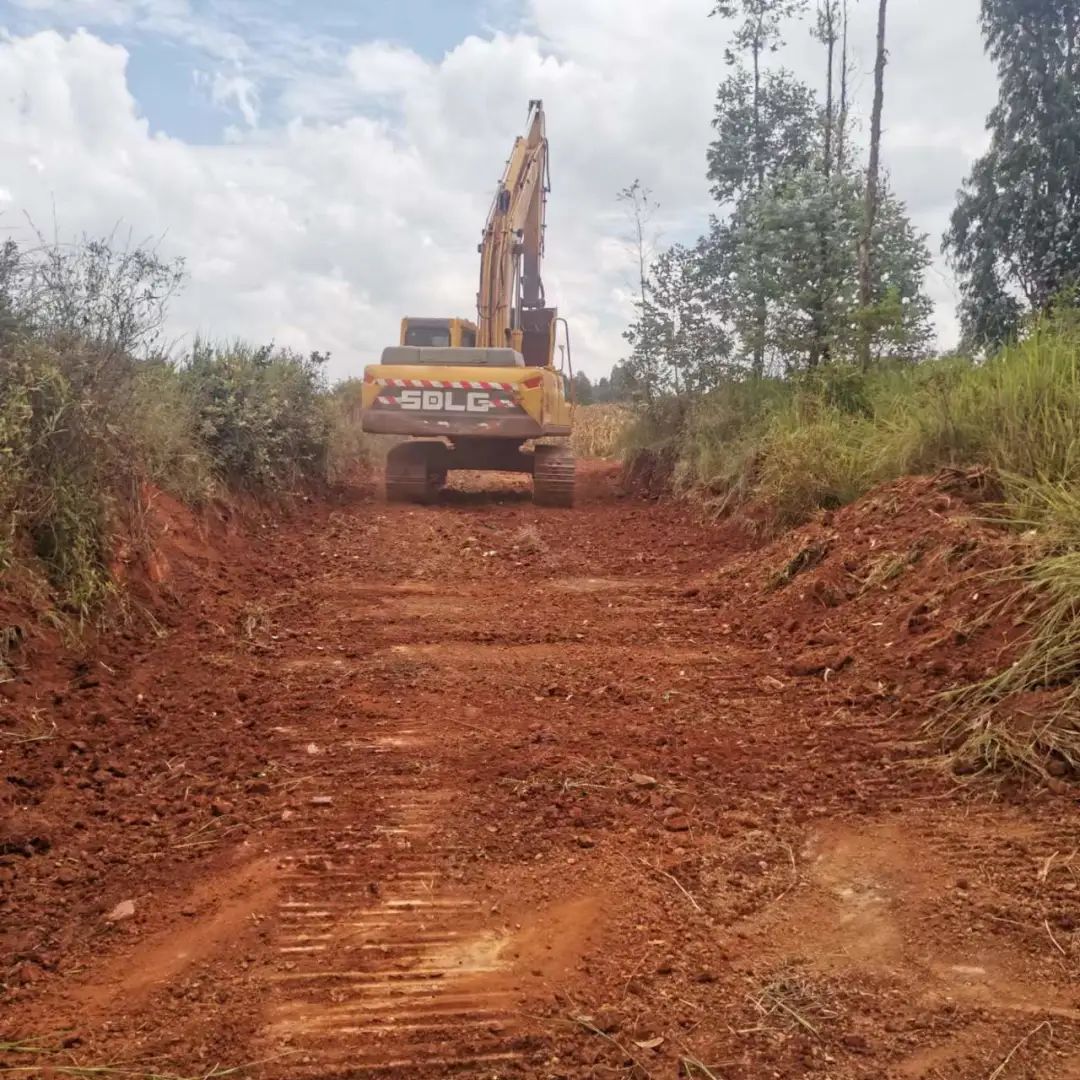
(389, 969)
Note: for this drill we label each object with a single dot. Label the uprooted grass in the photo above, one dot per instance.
(1025, 720)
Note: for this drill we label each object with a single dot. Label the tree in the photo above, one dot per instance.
(845, 72)
(582, 389)
(759, 133)
(640, 209)
(873, 174)
(1014, 237)
(827, 31)
(762, 133)
(809, 227)
(758, 34)
(619, 386)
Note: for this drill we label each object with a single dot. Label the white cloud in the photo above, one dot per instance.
(96, 12)
(382, 69)
(365, 201)
(238, 92)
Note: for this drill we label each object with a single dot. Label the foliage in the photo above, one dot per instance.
(761, 133)
(1014, 236)
(92, 417)
(260, 413)
(97, 292)
(802, 253)
(678, 346)
(774, 286)
(827, 436)
(599, 430)
(349, 449)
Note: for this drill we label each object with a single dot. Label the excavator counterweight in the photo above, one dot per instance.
(472, 395)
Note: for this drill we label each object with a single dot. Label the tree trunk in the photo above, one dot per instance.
(819, 351)
(866, 254)
(760, 308)
(830, 54)
(842, 119)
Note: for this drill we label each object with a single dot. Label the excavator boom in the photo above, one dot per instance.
(511, 296)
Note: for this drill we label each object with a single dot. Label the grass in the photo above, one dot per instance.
(1024, 721)
(796, 446)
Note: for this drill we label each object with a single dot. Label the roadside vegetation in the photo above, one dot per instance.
(97, 414)
(783, 364)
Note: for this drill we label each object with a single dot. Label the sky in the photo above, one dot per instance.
(325, 167)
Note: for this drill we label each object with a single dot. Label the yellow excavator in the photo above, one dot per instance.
(472, 395)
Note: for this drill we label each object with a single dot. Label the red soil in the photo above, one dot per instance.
(488, 791)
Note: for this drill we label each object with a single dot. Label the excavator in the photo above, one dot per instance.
(476, 395)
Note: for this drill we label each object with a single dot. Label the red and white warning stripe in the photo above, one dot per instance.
(436, 384)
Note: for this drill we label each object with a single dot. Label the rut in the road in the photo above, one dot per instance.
(389, 970)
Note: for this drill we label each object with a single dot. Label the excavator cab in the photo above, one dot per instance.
(475, 395)
(439, 333)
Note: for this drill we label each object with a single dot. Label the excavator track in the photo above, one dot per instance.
(554, 470)
(415, 472)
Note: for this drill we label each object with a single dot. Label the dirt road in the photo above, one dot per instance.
(484, 791)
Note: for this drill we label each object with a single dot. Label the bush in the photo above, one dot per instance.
(261, 412)
(63, 412)
(350, 448)
(91, 414)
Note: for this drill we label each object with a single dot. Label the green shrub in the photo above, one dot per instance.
(67, 463)
(91, 415)
(349, 447)
(261, 412)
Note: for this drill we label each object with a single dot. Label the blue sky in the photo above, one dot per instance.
(280, 40)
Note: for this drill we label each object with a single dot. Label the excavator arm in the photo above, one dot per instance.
(510, 303)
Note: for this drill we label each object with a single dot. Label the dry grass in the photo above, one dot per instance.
(599, 430)
(528, 541)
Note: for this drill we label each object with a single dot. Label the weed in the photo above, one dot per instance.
(1025, 720)
(889, 566)
(253, 621)
(528, 541)
(794, 999)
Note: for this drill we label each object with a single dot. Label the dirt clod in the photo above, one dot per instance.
(123, 911)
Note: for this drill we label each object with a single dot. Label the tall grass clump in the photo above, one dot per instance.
(1026, 719)
(1018, 412)
(823, 438)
